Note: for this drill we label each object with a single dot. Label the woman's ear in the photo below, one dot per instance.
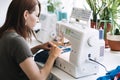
(26, 13)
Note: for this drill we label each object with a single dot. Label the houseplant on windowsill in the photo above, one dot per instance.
(108, 11)
(95, 11)
(114, 41)
(53, 5)
(113, 35)
(100, 10)
(105, 18)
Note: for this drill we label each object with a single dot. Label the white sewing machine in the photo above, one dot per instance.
(84, 44)
(48, 27)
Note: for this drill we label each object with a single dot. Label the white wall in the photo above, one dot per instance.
(68, 4)
(3, 9)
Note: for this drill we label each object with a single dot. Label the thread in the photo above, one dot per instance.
(101, 33)
(102, 43)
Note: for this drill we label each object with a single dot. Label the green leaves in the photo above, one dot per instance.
(53, 5)
(93, 6)
(108, 10)
(117, 32)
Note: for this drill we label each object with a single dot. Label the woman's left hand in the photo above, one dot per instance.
(46, 46)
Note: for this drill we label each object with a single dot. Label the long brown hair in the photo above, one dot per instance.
(15, 17)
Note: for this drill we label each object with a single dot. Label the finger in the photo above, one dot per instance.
(49, 44)
(52, 44)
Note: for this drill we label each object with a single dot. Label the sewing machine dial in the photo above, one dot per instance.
(92, 41)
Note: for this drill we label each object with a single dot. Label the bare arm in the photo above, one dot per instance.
(45, 46)
(33, 72)
(36, 48)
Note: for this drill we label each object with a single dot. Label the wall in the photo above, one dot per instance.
(3, 9)
(67, 4)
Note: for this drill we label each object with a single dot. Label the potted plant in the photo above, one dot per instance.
(93, 6)
(105, 18)
(95, 11)
(107, 10)
(113, 35)
(100, 10)
(53, 5)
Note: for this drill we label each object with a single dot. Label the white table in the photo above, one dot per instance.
(111, 61)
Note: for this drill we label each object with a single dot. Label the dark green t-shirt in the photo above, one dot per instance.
(13, 50)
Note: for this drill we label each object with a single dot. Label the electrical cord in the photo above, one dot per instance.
(89, 56)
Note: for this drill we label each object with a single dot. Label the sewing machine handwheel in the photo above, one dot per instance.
(92, 41)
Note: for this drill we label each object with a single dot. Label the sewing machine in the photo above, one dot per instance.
(84, 45)
(47, 32)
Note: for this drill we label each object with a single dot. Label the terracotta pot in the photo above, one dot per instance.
(114, 42)
(93, 24)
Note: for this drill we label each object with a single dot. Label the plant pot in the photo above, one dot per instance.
(93, 24)
(113, 41)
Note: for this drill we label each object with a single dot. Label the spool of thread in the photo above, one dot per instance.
(101, 44)
(59, 15)
(101, 33)
(64, 15)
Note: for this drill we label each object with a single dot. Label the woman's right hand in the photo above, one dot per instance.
(55, 51)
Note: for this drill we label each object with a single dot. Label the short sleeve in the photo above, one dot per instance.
(21, 50)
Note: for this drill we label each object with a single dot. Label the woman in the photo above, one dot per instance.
(16, 62)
